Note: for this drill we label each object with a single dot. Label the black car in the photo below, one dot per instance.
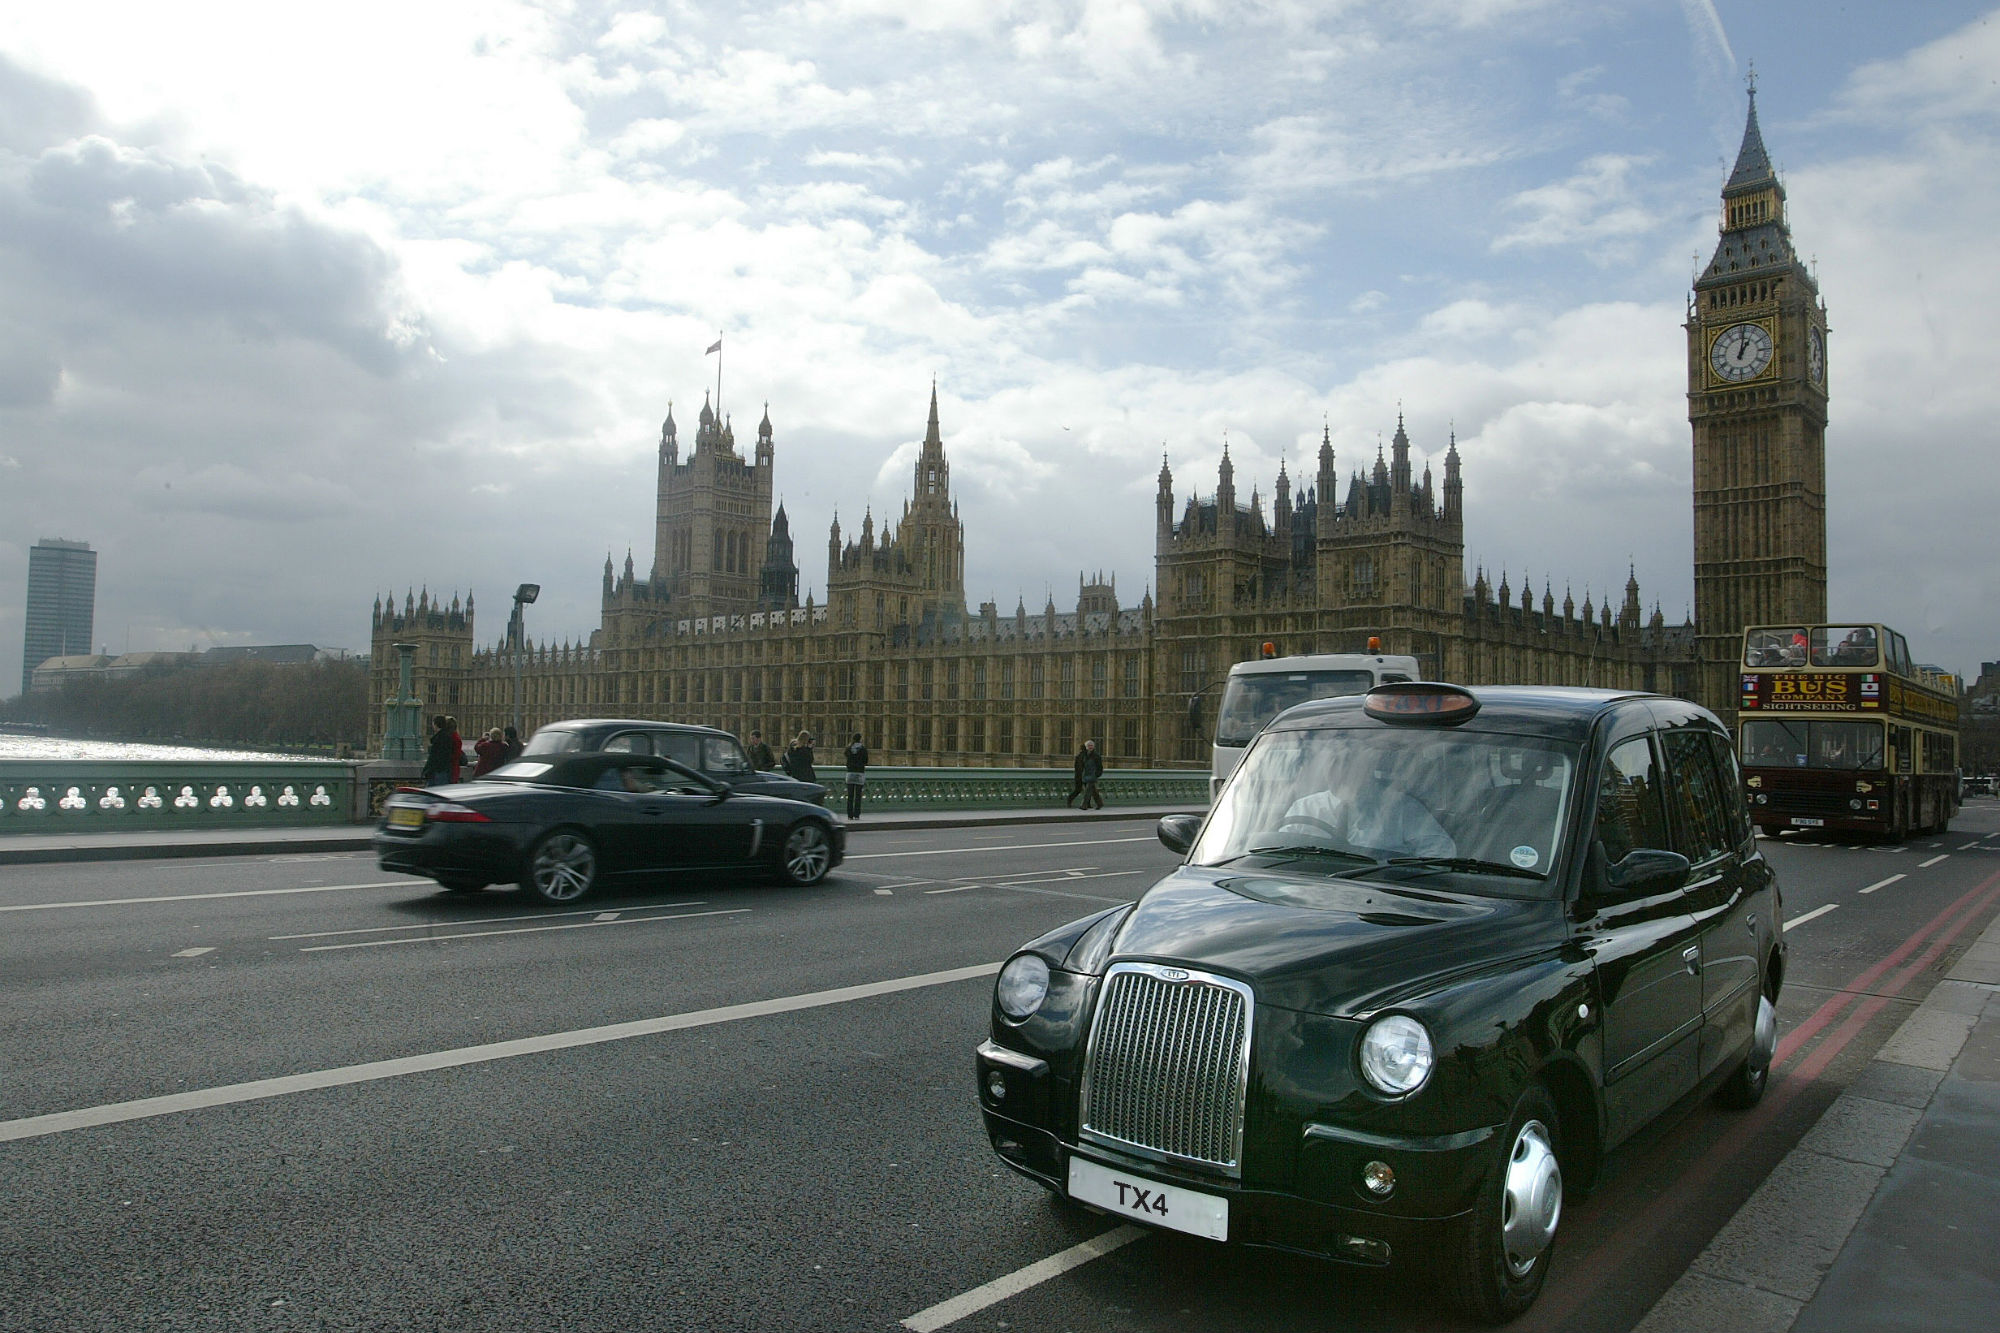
(707, 750)
(561, 825)
(1433, 953)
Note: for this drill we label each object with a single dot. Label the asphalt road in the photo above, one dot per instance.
(297, 1093)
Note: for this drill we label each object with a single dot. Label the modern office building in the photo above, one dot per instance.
(62, 603)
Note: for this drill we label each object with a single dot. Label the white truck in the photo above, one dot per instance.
(1262, 688)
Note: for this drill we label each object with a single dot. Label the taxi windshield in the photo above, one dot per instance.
(1398, 803)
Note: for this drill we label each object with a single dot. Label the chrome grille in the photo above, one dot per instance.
(1167, 1065)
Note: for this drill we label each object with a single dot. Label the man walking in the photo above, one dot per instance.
(1089, 768)
(857, 775)
(761, 758)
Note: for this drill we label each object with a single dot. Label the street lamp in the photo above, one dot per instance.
(523, 595)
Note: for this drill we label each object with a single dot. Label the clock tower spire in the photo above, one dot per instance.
(1757, 405)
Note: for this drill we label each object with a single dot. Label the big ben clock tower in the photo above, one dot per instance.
(1757, 402)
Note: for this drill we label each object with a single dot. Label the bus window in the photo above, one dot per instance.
(1899, 654)
(1798, 743)
(1775, 647)
(1845, 646)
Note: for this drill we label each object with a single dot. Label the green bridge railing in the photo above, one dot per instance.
(54, 795)
(910, 789)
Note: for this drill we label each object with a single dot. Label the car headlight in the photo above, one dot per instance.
(1023, 985)
(1396, 1054)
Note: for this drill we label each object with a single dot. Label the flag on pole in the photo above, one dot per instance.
(715, 346)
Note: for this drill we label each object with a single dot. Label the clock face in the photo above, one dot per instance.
(1741, 353)
(1816, 356)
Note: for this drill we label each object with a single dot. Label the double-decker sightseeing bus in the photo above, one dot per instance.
(1839, 729)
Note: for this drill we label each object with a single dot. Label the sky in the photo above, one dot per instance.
(301, 304)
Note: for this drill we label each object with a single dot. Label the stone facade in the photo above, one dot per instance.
(716, 634)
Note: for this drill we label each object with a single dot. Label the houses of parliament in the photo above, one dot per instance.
(714, 631)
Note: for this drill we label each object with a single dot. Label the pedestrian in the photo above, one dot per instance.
(857, 775)
(437, 760)
(761, 758)
(492, 751)
(1076, 774)
(512, 738)
(1089, 768)
(799, 758)
(457, 746)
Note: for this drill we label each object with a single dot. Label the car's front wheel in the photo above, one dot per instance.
(561, 868)
(1509, 1237)
(807, 854)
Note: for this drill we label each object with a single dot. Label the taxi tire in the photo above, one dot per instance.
(1480, 1279)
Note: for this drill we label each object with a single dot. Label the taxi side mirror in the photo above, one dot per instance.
(1643, 872)
(1178, 832)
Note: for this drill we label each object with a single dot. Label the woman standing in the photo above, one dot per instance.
(443, 750)
(492, 751)
(857, 775)
(799, 758)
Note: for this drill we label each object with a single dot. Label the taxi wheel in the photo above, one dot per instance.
(1744, 1088)
(561, 868)
(1507, 1240)
(807, 855)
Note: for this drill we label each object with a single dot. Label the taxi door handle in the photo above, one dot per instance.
(1692, 957)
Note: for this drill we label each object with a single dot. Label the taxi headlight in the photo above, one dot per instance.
(1023, 985)
(1396, 1054)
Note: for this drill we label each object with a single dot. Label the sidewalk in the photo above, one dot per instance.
(1887, 1214)
(157, 844)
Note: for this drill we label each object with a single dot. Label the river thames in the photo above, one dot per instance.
(15, 747)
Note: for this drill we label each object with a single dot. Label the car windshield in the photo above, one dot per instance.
(1252, 699)
(521, 770)
(550, 741)
(1398, 803)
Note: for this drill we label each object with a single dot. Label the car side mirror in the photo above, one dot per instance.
(1178, 832)
(1643, 872)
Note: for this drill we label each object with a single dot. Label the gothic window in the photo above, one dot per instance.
(1035, 677)
(1007, 678)
(1068, 677)
(951, 679)
(1191, 671)
(950, 745)
(979, 680)
(975, 740)
(717, 563)
(899, 732)
(1034, 736)
(1132, 675)
(926, 670)
(1099, 668)
(1128, 747)
(1004, 741)
(923, 733)
(1065, 737)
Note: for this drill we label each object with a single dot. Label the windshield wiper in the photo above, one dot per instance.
(1308, 849)
(1469, 864)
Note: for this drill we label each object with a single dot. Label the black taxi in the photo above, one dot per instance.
(1433, 952)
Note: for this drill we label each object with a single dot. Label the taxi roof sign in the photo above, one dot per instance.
(1420, 703)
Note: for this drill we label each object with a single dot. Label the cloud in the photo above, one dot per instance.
(1593, 210)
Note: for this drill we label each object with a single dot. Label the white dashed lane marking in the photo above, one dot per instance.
(519, 930)
(1933, 861)
(196, 952)
(234, 893)
(145, 1108)
(1804, 917)
(479, 921)
(1883, 883)
(1013, 1284)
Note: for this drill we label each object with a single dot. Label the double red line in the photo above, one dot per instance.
(1860, 999)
